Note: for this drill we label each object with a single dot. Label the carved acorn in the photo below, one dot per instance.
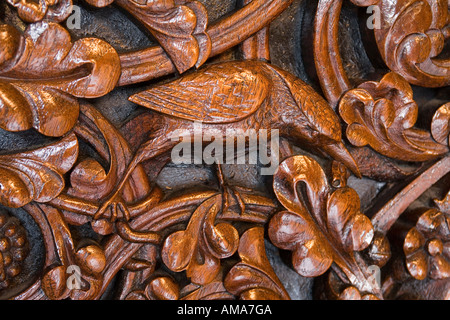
(13, 249)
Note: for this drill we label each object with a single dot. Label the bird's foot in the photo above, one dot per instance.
(118, 209)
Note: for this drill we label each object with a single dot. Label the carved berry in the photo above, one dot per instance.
(13, 249)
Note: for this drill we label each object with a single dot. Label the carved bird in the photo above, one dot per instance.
(239, 95)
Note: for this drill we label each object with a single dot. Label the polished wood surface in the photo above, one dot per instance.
(84, 214)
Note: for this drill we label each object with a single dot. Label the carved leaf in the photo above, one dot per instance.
(199, 248)
(253, 277)
(346, 222)
(287, 179)
(179, 26)
(411, 37)
(43, 72)
(382, 115)
(36, 175)
(312, 254)
(320, 227)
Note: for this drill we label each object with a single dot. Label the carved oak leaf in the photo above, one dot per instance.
(427, 246)
(199, 248)
(43, 71)
(320, 226)
(51, 10)
(253, 278)
(178, 25)
(38, 174)
(382, 115)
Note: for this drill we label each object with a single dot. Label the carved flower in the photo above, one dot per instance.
(42, 73)
(427, 246)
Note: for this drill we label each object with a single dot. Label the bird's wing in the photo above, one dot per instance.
(317, 113)
(220, 93)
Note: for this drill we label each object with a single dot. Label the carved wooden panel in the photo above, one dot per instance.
(346, 197)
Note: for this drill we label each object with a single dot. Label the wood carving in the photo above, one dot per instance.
(14, 248)
(42, 73)
(94, 206)
(387, 124)
(320, 227)
(32, 11)
(411, 38)
(273, 99)
(179, 26)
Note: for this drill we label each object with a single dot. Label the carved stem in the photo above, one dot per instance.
(257, 46)
(386, 217)
(153, 62)
(330, 70)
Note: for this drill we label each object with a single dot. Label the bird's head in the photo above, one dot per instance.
(324, 135)
(307, 119)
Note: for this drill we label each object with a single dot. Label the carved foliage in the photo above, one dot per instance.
(382, 115)
(427, 246)
(253, 277)
(411, 42)
(179, 26)
(199, 248)
(36, 175)
(43, 71)
(321, 226)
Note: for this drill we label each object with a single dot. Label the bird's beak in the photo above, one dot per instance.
(339, 152)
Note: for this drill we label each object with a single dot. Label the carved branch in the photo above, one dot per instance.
(153, 62)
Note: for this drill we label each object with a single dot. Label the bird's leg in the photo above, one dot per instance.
(228, 192)
(149, 150)
(115, 201)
